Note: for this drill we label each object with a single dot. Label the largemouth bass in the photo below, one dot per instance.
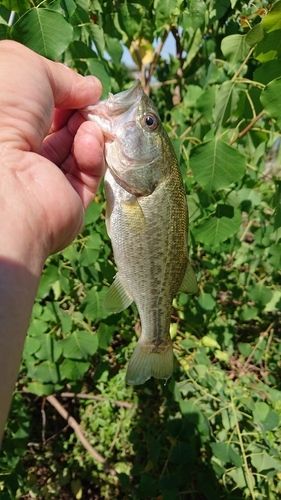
(147, 221)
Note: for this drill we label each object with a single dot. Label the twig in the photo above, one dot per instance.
(81, 395)
(116, 434)
(246, 129)
(155, 61)
(241, 444)
(43, 413)
(243, 64)
(262, 335)
(78, 431)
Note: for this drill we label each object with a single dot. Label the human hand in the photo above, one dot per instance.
(52, 159)
(51, 163)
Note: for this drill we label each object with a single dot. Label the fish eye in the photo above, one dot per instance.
(150, 121)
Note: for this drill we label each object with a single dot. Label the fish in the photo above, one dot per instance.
(147, 222)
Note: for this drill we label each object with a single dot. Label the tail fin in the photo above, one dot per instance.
(144, 364)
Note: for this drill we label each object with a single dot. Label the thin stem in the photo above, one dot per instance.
(243, 64)
(79, 433)
(246, 129)
(241, 444)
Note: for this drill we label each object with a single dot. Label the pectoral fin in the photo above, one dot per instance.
(132, 211)
(189, 282)
(117, 299)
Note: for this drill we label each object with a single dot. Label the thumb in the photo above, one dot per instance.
(71, 90)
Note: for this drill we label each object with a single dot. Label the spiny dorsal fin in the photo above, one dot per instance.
(189, 282)
(117, 299)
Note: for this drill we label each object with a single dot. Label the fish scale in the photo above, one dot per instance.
(147, 223)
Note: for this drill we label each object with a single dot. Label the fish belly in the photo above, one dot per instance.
(149, 239)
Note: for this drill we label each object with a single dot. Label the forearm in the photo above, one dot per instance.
(21, 260)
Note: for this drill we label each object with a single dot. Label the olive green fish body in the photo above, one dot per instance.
(147, 224)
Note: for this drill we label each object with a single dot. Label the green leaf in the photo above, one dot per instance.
(31, 345)
(40, 389)
(261, 411)
(73, 370)
(255, 35)
(19, 6)
(98, 69)
(268, 71)
(66, 320)
(216, 229)
(88, 256)
(105, 335)
(259, 293)
(272, 21)
(79, 345)
(226, 454)
(37, 326)
(92, 305)
(206, 302)
(195, 417)
(163, 10)
(248, 312)
(44, 31)
(270, 99)
(245, 348)
(269, 47)
(227, 98)
(97, 35)
(205, 103)
(234, 48)
(49, 276)
(3, 31)
(114, 48)
(46, 372)
(130, 18)
(93, 213)
(197, 9)
(50, 349)
(215, 165)
(263, 461)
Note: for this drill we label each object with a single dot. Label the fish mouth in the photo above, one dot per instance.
(106, 114)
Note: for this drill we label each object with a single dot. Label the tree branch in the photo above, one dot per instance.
(246, 129)
(79, 433)
(155, 61)
(81, 395)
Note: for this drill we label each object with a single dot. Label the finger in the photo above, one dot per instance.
(61, 118)
(57, 146)
(85, 167)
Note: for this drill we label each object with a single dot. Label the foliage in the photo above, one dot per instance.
(213, 431)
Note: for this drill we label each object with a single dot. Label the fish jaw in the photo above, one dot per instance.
(109, 113)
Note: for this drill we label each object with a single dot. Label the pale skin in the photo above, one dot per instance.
(51, 163)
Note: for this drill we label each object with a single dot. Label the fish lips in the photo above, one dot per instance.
(116, 110)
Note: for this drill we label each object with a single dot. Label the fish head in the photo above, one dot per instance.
(137, 148)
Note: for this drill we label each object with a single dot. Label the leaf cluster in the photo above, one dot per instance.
(213, 432)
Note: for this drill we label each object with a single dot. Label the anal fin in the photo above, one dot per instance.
(189, 282)
(117, 298)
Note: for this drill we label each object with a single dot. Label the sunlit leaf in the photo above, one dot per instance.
(270, 99)
(234, 48)
(72, 369)
(79, 345)
(272, 21)
(49, 349)
(44, 31)
(216, 165)
(227, 97)
(47, 371)
(216, 229)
